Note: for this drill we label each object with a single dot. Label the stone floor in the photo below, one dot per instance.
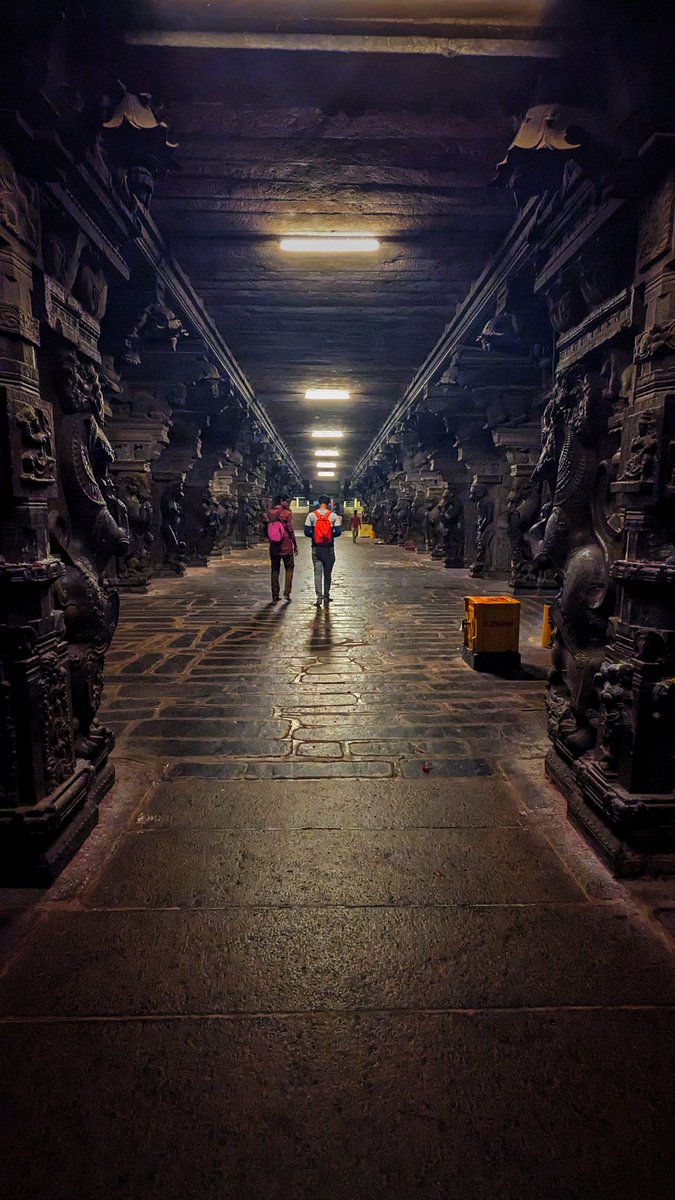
(291, 964)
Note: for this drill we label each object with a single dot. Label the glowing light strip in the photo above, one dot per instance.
(327, 433)
(327, 394)
(329, 244)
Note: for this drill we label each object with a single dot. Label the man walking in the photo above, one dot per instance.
(323, 527)
(355, 525)
(283, 546)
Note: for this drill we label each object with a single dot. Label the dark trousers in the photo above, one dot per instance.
(289, 565)
(323, 558)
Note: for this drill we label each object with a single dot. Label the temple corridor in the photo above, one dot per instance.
(289, 962)
(372, 900)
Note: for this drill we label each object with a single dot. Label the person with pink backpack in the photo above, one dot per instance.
(283, 546)
(323, 526)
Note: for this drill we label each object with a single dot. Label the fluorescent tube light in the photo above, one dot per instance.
(327, 394)
(327, 433)
(325, 474)
(326, 454)
(327, 465)
(329, 243)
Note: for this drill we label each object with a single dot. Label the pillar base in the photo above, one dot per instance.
(634, 834)
(37, 843)
(138, 586)
(170, 570)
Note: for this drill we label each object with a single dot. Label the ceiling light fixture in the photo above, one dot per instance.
(327, 394)
(330, 243)
(326, 453)
(327, 465)
(325, 474)
(327, 433)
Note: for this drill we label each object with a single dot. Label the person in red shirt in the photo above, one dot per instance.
(355, 525)
(283, 546)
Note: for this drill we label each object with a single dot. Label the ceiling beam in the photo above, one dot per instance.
(455, 47)
(515, 250)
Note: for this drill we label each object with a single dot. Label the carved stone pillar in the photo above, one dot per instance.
(625, 797)
(208, 516)
(139, 432)
(522, 446)
(46, 808)
(486, 547)
(168, 490)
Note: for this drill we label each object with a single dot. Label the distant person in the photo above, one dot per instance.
(323, 527)
(283, 546)
(355, 525)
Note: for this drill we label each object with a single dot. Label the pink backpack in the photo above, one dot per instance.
(276, 530)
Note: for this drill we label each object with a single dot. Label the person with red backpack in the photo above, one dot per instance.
(283, 546)
(323, 527)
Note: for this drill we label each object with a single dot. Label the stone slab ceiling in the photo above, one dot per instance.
(401, 145)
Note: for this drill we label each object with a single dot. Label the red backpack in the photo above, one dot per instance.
(323, 530)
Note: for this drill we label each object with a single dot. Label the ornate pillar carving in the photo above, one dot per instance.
(626, 796)
(139, 432)
(45, 804)
(606, 521)
(169, 473)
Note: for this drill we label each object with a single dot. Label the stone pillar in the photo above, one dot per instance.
(169, 474)
(626, 799)
(521, 446)
(57, 617)
(487, 547)
(43, 786)
(139, 432)
(210, 514)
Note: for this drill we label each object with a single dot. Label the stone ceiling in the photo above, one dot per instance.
(275, 141)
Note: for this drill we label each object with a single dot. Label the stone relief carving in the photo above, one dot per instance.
(479, 495)
(18, 206)
(135, 138)
(535, 161)
(134, 565)
(37, 457)
(56, 726)
(204, 518)
(156, 325)
(523, 505)
(575, 538)
(171, 513)
(88, 528)
(613, 682)
(641, 462)
(655, 342)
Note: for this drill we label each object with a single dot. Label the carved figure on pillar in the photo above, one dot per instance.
(434, 529)
(522, 508)
(88, 529)
(135, 138)
(578, 542)
(202, 526)
(171, 511)
(536, 159)
(613, 683)
(157, 324)
(134, 566)
(479, 495)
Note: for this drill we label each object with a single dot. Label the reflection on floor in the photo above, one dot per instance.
(291, 962)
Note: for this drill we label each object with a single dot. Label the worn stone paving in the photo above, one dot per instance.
(292, 963)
